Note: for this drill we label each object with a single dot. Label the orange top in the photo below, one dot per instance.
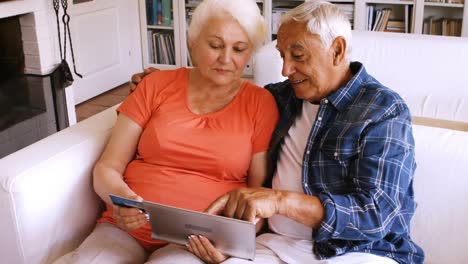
(185, 159)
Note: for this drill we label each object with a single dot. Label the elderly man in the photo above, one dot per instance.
(342, 156)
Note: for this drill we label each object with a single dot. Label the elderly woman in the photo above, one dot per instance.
(186, 136)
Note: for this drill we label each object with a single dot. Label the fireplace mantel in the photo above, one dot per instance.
(18, 7)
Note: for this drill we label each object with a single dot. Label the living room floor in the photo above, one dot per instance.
(101, 102)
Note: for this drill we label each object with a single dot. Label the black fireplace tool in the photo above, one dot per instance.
(64, 68)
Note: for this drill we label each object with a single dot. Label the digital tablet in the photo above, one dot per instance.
(232, 237)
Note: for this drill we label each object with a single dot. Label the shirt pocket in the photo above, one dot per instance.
(341, 142)
(334, 163)
(340, 149)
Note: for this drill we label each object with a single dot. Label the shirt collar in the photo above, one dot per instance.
(345, 95)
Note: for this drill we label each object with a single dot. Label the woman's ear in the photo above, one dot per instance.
(339, 46)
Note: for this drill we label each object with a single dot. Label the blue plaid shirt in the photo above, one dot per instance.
(359, 160)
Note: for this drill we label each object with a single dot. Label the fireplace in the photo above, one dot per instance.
(34, 102)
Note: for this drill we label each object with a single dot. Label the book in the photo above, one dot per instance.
(386, 16)
(396, 23)
(151, 55)
(156, 49)
(166, 12)
(395, 26)
(164, 51)
(155, 12)
(370, 17)
(149, 12)
(377, 21)
(159, 13)
(408, 18)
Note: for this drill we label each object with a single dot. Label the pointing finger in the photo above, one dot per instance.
(218, 205)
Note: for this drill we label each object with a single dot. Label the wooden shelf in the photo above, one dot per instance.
(444, 5)
(390, 2)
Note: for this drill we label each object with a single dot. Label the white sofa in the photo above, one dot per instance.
(48, 206)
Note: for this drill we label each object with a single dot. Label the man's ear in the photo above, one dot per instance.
(339, 47)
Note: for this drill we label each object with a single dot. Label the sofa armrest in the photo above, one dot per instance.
(47, 201)
(440, 190)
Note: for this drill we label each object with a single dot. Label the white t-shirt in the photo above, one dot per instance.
(288, 174)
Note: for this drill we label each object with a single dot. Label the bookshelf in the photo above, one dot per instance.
(418, 16)
(443, 19)
(159, 21)
(164, 31)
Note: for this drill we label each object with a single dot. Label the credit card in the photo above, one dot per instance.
(124, 202)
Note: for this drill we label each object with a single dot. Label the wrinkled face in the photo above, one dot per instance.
(306, 63)
(221, 50)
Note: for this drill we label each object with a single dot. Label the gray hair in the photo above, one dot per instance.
(245, 12)
(324, 19)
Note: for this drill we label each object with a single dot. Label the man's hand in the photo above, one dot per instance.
(251, 204)
(201, 247)
(129, 218)
(248, 204)
(137, 77)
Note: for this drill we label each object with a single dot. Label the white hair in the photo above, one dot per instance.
(245, 12)
(324, 19)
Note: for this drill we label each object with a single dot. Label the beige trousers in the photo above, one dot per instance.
(109, 244)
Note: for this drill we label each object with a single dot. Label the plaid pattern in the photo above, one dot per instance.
(359, 160)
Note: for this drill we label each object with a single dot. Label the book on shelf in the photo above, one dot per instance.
(396, 26)
(170, 44)
(385, 17)
(159, 12)
(377, 19)
(162, 43)
(381, 19)
(166, 6)
(158, 47)
(149, 12)
(151, 55)
(409, 18)
(442, 26)
(446, 1)
(164, 49)
(370, 17)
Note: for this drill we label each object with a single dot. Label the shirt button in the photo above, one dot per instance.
(308, 152)
(325, 101)
(335, 154)
(319, 118)
(306, 185)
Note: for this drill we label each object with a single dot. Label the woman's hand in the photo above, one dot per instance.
(201, 247)
(130, 218)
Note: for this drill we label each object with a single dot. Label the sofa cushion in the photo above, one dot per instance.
(441, 193)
